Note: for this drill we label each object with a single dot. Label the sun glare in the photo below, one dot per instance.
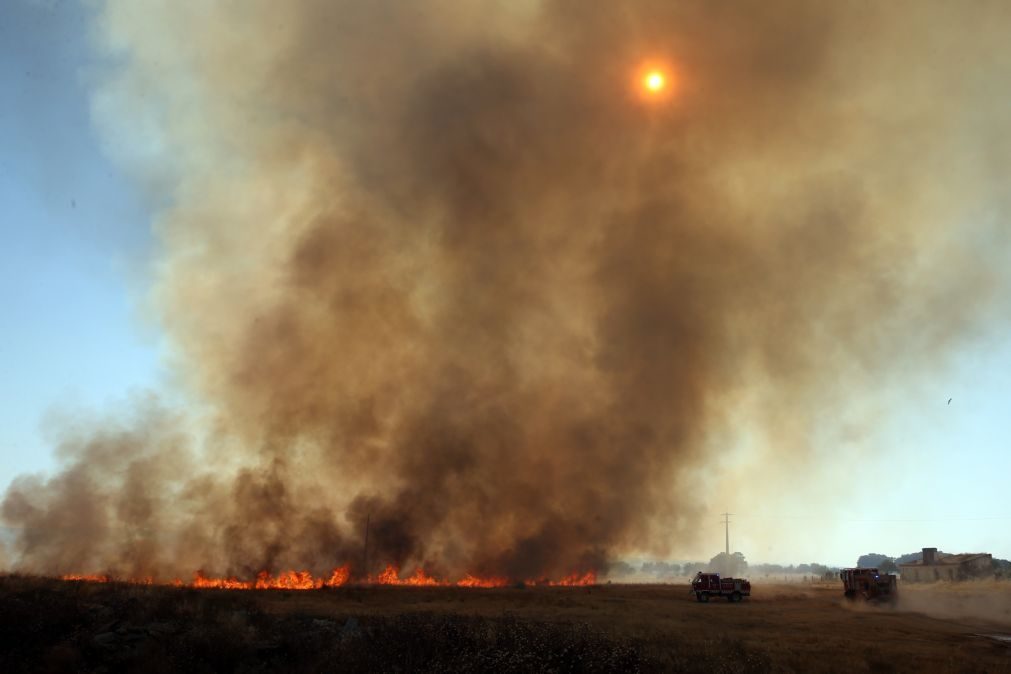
(654, 81)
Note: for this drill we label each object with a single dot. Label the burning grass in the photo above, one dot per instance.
(304, 580)
(49, 624)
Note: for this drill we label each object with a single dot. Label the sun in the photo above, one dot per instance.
(654, 81)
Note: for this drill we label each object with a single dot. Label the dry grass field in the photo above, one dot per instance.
(48, 625)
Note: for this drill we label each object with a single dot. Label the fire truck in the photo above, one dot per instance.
(870, 584)
(706, 585)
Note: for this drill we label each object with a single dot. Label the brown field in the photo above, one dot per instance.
(48, 625)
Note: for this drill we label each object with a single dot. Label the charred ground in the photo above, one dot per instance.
(67, 626)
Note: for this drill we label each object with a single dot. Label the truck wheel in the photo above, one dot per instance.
(735, 596)
(704, 597)
(698, 596)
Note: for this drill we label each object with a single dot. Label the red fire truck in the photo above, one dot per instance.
(870, 584)
(706, 585)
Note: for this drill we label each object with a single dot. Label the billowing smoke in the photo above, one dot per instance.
(440, 266)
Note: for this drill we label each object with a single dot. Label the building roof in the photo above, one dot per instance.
(949, 560)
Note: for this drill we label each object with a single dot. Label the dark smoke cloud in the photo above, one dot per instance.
(437, 265)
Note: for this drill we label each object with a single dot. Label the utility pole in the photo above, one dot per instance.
(365, 549)
(726, 522)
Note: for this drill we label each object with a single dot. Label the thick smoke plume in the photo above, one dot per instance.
(441, 266)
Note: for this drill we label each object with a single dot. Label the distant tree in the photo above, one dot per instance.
(729, 565)
(1001, 568)
(691, 568)
(660, 569)
(871, 560)
(888, 565)
(818, 569)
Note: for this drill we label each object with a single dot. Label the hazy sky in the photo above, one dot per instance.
(75, 235)
(75, 251)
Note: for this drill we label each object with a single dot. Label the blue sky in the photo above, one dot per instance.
(74, 248)
(75, 237)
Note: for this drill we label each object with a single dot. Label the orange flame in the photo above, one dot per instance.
(202, 581)
(420, 578)
(474, 581)
(588, 578)
(339, 576)
(88, 578)
(389, 576)
(289, 580)
(304, 580)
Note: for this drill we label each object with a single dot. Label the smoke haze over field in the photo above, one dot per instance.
(441, 265)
